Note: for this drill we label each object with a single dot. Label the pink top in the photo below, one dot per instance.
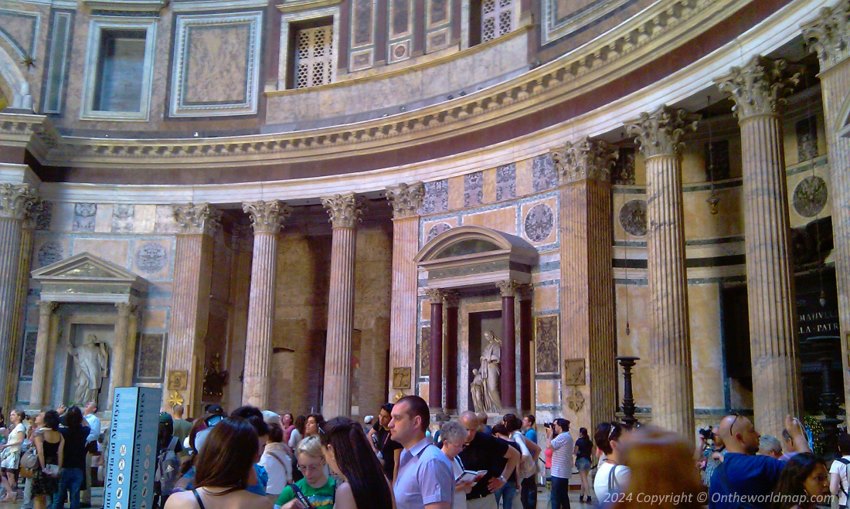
(548, 452)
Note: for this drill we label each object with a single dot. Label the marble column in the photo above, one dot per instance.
(38, 392)
(344, 211)
(405, 200)
(587, 291)
(757, 90)
(525, 294)
(22, 289)
(507, 382)
(267, 218)
(15, 201)
(120, 347)
(187, 328)
(829, 36)
(659, 134)
(452, 309)
(435, 367)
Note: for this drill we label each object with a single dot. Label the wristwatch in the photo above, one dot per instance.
(502, 478)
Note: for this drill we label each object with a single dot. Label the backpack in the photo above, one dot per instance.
(167, 468)
(527, 466)
(846, 462)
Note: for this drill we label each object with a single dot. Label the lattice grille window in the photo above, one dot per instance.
(496, 18)
(314, 54)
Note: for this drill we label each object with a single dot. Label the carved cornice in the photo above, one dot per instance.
(344, 210)
(660, 132)
(829, 35)
(759, 87)
(584, 160)
(16, 200)
(658, 29)
(406, 199)
(197, 219)
(267, 216)
(435, 295)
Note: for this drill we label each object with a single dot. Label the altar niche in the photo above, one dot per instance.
(479, 323)
(83, 358)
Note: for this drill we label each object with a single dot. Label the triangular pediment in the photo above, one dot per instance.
(84, 267)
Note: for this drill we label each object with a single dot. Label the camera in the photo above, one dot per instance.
(706, 433)
(547, 424)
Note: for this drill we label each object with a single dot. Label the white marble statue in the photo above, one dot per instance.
(477, 389)
(489, 371)
(91, 366)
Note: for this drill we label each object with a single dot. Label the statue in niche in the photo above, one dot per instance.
(215, 378)
(91, 366)
(478, 389)
(489, 371)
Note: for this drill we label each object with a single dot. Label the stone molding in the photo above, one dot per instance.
(197, 219)
(758, 87)
(586, 159)
(829, 35)
(47, 307)
(267, 216)
(406, 199)
(452, 298)
(344, 210)
(435, 295)
(660, 28)
(126, 308)
(16, 200)
(507, 288)
(660, 132)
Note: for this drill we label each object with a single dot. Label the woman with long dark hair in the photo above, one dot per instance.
(225, 467)
(297, 434)
(49, 445)
(349, 454)
(804, 483)
(314, 422)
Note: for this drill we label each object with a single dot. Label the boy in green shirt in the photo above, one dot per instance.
(316, 485)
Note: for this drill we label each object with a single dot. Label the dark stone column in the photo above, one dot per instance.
(508, 382)
(452, 303)
(435, 373)
(525, 335)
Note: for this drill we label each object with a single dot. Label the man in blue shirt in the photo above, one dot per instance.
(425, 477)
(528, 494)
(745, 479)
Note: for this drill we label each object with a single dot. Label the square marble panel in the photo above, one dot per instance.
(436, 197)
(547, 354)
(544, 174)
(123, 217)
(506, 182)
(473, 189)
(85, 217)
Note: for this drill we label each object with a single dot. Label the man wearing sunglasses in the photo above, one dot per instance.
(745, 479)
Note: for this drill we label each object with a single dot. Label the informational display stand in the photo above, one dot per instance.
(132, 448)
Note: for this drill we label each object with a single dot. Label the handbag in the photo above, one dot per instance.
(51, 470)
(29, 460)
(526, 467)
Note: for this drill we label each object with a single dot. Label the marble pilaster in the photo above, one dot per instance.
(829, 36)
(187, 328)
(507, 382)
(435, 369)
(405, 200)
(587, 298)
(526, 333)
(659, 135)
(15, 201)
(38, 389)
(757, 91)
(120, 347)
(344, 211)
(267, 218)
(452, 316)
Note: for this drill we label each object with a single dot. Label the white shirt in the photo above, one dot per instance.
(459, 500)
(294, 438)
(280, 472)
(619, 481)
(94, 426)
(562, 457)
(842, 470)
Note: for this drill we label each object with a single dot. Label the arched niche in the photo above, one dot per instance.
(12, 80)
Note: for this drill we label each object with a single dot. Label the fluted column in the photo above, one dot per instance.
(15, 201)
(507, 384)
(659, 135)
(405, 200)
(187, 328)
(344, 211)
(120, 346)
(525, 295)
(757, 90)
(452, 304)
(587, 290)
(266, 218)
(435, 368)
(22, 288)
(42, 342)
(829, 36)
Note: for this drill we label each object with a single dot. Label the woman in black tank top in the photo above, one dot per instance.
(49, 444)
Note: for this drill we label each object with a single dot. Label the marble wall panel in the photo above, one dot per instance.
(50, 249)
(164, 219)
(540, 221)
(488, 186)
(436, 197)
(700, 223)
(457, 190)
(153, 259)
(144, 218)
(103, 219)
(123, 218)
(706, 345)
(28, 355)
(362, 45)
(545, 298)
(85, 217)
(424, 350)
(502, 219)
(506, 182)
(543, 173)
(547, 345)
(44, 219)
(19, 29)
(473, 189)
(431, 229)
(438, 19)
(153, 319)
(425, 310)
(548, 392)
(110, 249)
(632, 306)
(400, 31)
(524, 177)
(149, 359)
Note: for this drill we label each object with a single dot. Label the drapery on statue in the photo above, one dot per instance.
(490, 358)
(91, 366)
(477, 388)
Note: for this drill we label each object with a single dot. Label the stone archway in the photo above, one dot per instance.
(13, 85)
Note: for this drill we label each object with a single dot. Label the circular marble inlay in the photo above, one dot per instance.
(437, 229)
(150, 257)
(539, 223)
(633, 217)
(810, 196)
(49, 252)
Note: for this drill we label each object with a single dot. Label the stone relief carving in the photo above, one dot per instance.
(624, 167)
(575, 400)
(436, 197)
(436, 230)
(122, 218)
(267, 216)
(829, 35)
(539, 222)
(49, 252)
(660, 132)
(406, 199)
(584, 159)
(547, 344)
(633, 217)
(84, 217)
(810, 196)
(543, 173)
(506, 182)
(344, 210)
(759, 87)
(151, 257)
(473, 189)
(150, 356)
(15, 200)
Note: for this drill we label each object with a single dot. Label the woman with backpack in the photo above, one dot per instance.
(277, 460)
(167, 462)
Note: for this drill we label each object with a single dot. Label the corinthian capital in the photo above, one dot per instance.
(196, 219)
(16, 200)
(406, 199)
(267, 216)
(507, 288)
(759, 87)
(584, 160)
(435, 295)
(829, 35)
(660, 132)
(33, 213)
(344, 210)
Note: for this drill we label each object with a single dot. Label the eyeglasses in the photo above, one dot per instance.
(311, 468)
(732, 427)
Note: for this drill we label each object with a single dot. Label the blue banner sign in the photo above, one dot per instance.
(132, 448)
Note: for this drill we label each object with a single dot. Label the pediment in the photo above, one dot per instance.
(87, 278)
(84, 266)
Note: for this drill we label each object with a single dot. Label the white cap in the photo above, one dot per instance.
(271, 417)
(368, 419)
